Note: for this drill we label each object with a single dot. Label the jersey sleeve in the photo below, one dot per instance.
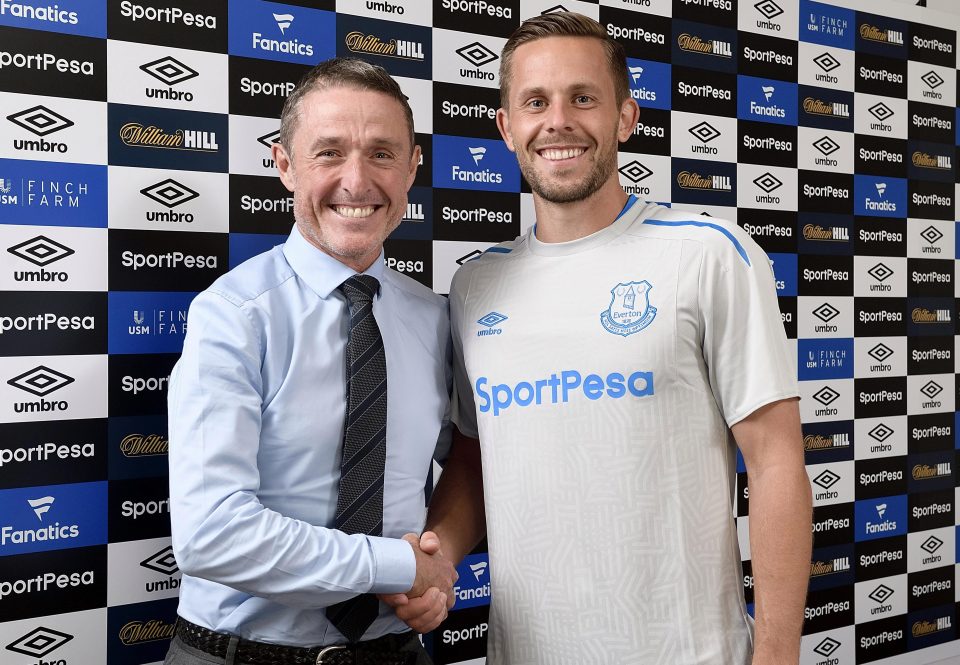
(744, 344)
(464, 411)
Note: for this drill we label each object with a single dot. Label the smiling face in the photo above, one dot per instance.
(349, 166)
(562, 118)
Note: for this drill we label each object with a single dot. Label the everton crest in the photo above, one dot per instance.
(630, 310)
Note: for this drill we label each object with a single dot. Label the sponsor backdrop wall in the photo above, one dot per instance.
(135, 168)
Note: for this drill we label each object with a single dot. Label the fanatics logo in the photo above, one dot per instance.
(283, 22)
(477, 154)
(40, 251)
(880, 352)
(41, 506)
(768, 182)
(826, 145)
(478, 569)
(41, 381)
(169, 193)
(932, 389)
(39, 642)
(826, 312)
(827, 479)
(826, 647)
(169, 71)
(826, 395)
(826, 62)
(635, 171)
(881, 594)
(931, 544)
(768, 8)
(477, 54)
(162, 561)
(40, 120)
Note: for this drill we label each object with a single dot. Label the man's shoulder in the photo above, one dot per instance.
(254, 277)
(413, 292)
(490, 259)
(719, 237)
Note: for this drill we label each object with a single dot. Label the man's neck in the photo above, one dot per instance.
(563, 222)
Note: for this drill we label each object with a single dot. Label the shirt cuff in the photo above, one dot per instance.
(395, 566)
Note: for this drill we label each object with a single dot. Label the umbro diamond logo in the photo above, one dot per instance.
(40, 120)
(169, 193)
(704, 131)
(635, 171)
(169, 71)
(826, 395)
(768, 182)
(826, 145)
(477, 54)
(769, 9)
(826, 62)
(880, 111)
(40, 251)
(269, 139)
(41, 381)
(39, 642)
(162, 561)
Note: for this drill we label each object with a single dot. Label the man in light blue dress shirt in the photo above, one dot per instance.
(257, 404)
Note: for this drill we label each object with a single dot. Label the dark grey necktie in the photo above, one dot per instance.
(360, 494)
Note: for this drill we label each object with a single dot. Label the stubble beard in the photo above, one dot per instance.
(601, 171)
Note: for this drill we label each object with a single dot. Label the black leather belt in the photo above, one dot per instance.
(381, 651)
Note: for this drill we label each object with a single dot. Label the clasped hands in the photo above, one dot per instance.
(425, 605)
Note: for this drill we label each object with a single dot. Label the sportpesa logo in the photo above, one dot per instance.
(560, 388)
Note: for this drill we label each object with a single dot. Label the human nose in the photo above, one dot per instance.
(559, 118)
(355, 175)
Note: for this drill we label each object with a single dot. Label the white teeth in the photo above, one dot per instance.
(347, 211)
(562, 154)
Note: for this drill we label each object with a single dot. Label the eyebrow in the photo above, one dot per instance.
(580, 86)
(338, 141)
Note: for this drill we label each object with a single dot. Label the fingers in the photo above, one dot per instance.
(429, 542)
(394, 599)
(425, 613)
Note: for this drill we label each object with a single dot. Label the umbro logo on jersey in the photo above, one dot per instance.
(490, 322)
(39, 642)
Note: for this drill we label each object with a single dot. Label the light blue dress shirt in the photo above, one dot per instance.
(256, 407)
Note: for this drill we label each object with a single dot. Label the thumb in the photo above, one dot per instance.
(429, 542)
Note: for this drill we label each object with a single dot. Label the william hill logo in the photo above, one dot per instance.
(821, 568)
(819, 233)
(358, 42)
(709, 183)
(812, 442)
(931, 471)
(926, 161)
(924, 628)
(138, 632)
(144, 445)
(924, 315)
(815, 106)
(695, 44)
(872, 33)
(135, 135)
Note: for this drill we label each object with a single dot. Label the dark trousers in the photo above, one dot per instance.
(181, 654)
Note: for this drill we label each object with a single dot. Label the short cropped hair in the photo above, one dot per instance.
(565, 24)
(335, 73)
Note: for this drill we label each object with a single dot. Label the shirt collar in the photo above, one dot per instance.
(320, 271)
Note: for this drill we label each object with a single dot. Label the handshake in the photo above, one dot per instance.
(425, 605)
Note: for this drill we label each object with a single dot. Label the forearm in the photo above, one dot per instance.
(780, 544)
(456, 513)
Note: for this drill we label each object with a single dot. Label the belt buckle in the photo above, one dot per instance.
(326, 650)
